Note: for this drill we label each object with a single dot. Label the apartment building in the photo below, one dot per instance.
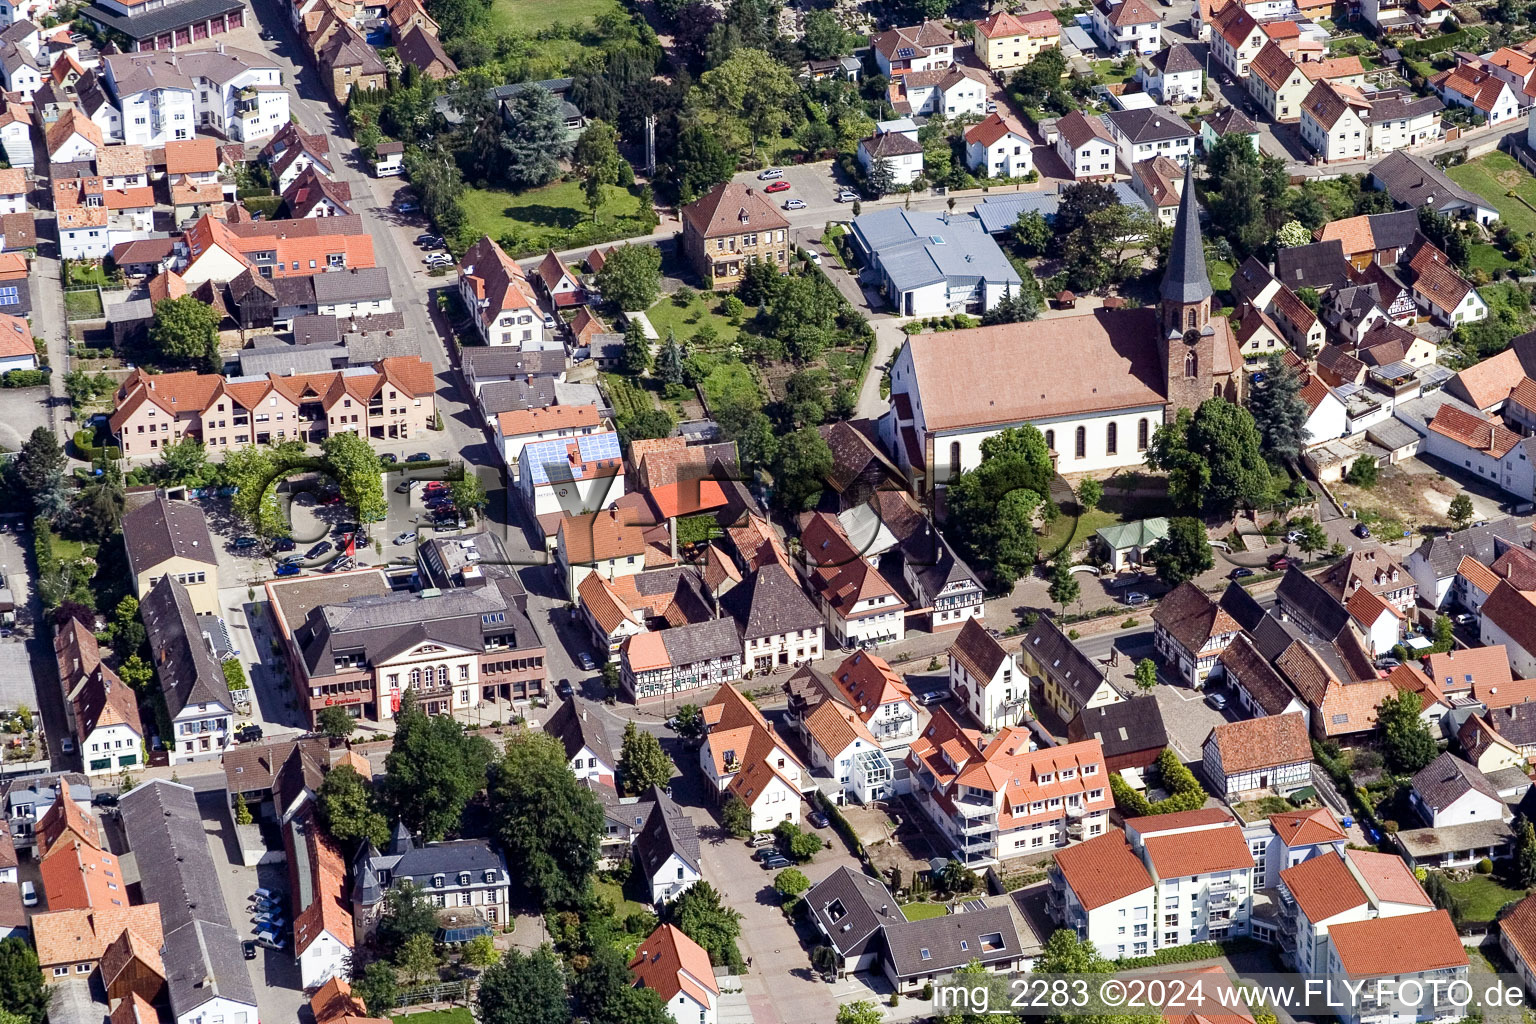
(1069, 680)
(191, 679)
(985, 679)
(1429, 956)
(742, 756)
(393, 399)
(860, 605)
(881, 697)
(166, 96)
(499, 297)
(1006, 41)
(1001, 798)
(1202, 871)
(351, 642)
(1342, 888)
(1103, 892)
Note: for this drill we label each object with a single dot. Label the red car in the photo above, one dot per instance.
(778, 186)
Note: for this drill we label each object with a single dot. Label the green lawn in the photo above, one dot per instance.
(1109, 74)
(555, 216)
(703, 309)
(530, 16)
(623, 905)
(1481, 897)
(82, 305)
(920, 911)
(1494, 175)
(457, 1015)
(1067, 534)
(1488, 258)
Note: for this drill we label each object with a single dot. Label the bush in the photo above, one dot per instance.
(1186, 793)
(1189, 954)
(24, 378)
(1485, 866)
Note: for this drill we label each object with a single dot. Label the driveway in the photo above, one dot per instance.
(1189, 717)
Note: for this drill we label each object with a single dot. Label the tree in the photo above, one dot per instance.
(1311, 537)
(1524, 867)
(645, 423)
(243, 814)
(136, 673)
(824, 37)
(799, 844)
(40, 467)
(791, 882)
(1293, 232)
(860, 1011)
(882, 178)
(1278, 412)
(469, 493)
(417, 957)
(524, 988)
(532, 139)
(127, 629)
(669, 360)
(642, 762)
(408, 911)
(253, 471)
(547, 821)
(377, 987)
(1212, 458)
(701, 916)
(335, 722)
(356, 468)
(1146, 675)
(1031, 233)
(955, 877)
(749, 97)
(21, 981)
(1041, 77)
(637, 348)
(1089, 493)
(1362, 472)
(992, 507)
(1446, 234)
(1064, 589)
(1461, 511)
(432, 770)
(597, 151)
(736, 817)
(435, 176)
(185, 459)
(699, 162)
(800, 469)
(689, 721)
(986, 993)
(1406, 739)
(1184, 553)
(480, 951)
(98, 506)
(631, 277)
(186, 330)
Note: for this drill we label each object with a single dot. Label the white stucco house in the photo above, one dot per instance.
(895, 144)
(984, 677)
(1085, 146)
(999, 147)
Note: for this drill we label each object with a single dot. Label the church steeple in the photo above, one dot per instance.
(1184, 309)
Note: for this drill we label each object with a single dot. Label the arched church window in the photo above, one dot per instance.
(1082, 442)
(1142, 431)
(1191, 364)
(1111, 439)
(954, 458)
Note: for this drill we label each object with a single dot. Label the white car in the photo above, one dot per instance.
(68, 745)
(771, 174)
(549, 322)
(814, 257)
(438, 259)
(408, 537)
(794, 204)
(28, 894)
(847, 195)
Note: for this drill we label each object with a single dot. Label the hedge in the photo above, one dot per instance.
(1187, 793)
(840, 824)
(1190, 953)
(24, 378)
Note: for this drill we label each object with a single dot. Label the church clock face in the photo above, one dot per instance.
(1191, 336)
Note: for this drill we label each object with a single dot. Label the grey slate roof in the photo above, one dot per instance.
(1186, 280)
(1413, 181)
(283, 359)
(938, 944)
(1237, 602)
(701, 641)
(668, 830)
(472, 855)
(1071, 668)
(360, 284)
(165, 831)
(1445, 551)
(1395, 230)
(1128, 727)
(1447, 779)
(161, 529)
(1318, 265)
(183, 663)
(504, 361)
(1229, 120)
(769, 602)
(1148, 124)
(1175, 59)
(1251, 278)
(1257, 676)
(999, 213)
(516, 395)
(852, 907)
(1516, 723)
(163, 19)
(917, 249)
(579, 723)
(1307, 599)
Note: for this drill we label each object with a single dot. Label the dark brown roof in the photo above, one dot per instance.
(769, 602)
(1257, 676)
(162, 529)
(1127, 727)
(1447, 779)
(976, 649)
(1189, 615)
(731, 208)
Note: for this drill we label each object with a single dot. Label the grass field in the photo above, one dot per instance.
(1494, 175)
(665, 314)
(457, 1015)
(527, 16)
(920, 911)
(82, 305)
(1487, 258)
(555, 216)
(1481, 897)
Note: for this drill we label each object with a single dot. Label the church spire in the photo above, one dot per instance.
(1186, 283)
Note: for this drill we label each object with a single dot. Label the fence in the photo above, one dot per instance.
(443, 992)
(83, 302)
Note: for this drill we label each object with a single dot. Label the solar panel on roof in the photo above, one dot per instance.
(905, 51)
(8, 296)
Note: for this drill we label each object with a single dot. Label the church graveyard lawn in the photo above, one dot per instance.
(1129, 495)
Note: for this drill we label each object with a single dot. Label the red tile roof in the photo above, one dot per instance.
(1474, 431)
(1385, 945)
(1255, 744)
(1200, 852)
(1323, 887)
(1103, 870)
(1306, 828)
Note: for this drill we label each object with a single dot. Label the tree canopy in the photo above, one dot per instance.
(186, 329)
(1406, 739)
(432, 770)
(547, 821)
(349, 809)
(701, 915)
(1212, 458)
(531, 139)
(631, 277)
(524, 988)
(992, 507)
(1278, 412)
(642, 762)
(1184, 553)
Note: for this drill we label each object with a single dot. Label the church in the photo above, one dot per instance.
(1096, 384)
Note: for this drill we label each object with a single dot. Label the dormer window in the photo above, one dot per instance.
(437, 881)
(463, 877)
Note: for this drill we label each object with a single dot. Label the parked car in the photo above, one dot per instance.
(340, 563)
(1240, 573)
(389, 458)
(244, 543)
(322, 548)
(818, 820)
(1293, 537)
(794, 204)
(1279, 562)
(778, 186)
(847, 195)
(563, 688)
(1135, 597)
(759, 840)
(435, 485)
(991, 106)
(1361, 530)
(344, 529)
(287, 569)
(1217, 701)
(1388, 663)
(408, 537)
(777, 863)
(585, 661)
(67, 745)
(248, 947)
(249, 733)
(283, 544)
(28, 894)
(418, 457)
(549, 322)
(406, 486)
(438, 259)
(771, 174)
(104, 800)
(931, 697)
(270, 941)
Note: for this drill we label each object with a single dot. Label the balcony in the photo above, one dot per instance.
(972, 826)
(1224, 885)
(984, 841)
(1074, 830)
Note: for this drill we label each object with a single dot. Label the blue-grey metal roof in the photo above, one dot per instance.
(1079, 37)
(999, 213)
(917, 249)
